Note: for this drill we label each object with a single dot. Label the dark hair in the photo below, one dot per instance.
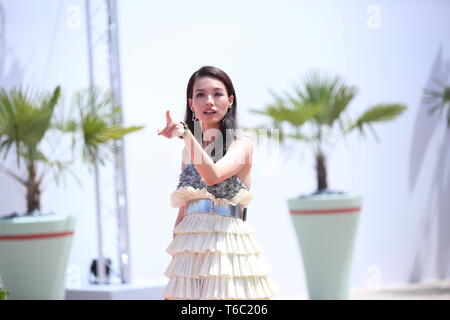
(228, 125)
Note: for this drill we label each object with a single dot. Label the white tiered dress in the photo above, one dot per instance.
(215, 256)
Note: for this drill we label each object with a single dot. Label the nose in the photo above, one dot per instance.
(209, 100)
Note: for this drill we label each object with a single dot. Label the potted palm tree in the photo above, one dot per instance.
(35, 245)
(325, 220)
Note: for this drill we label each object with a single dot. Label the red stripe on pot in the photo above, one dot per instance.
(35, 236)
(326, 211)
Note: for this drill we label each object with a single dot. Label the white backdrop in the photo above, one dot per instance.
(390, 50)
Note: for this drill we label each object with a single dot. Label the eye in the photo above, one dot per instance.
(219, 94)
(199, 95)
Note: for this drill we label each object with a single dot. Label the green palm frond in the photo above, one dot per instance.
(295, 117)
(99, 124)
(36, 156)
(332, 94)
(320, 99)
(290, 109)
(25, 118)
(378, 113)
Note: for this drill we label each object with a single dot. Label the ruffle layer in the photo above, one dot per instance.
(182, 195)
(209, 223)
(220, 288)
(227, 243)
(194, 265)
(216, 257)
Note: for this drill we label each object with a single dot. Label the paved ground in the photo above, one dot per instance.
(420, 291)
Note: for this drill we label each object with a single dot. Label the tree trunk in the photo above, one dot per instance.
(33, 191)
(321, 172)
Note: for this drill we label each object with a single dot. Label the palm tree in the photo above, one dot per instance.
(25, 118)
(321, 103)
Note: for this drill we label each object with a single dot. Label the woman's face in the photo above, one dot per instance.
(210, 94)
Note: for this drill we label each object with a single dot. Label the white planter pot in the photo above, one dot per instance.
(34, 252)
(326, 227)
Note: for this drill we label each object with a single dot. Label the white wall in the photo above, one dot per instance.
(261, 45)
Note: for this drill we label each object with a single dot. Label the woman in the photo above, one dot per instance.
(214, 253)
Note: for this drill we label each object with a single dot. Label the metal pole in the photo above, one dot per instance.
(104, 69)
(101, 273)
(120, 174)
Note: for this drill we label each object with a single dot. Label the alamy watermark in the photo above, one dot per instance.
(373, 278)
(373, 21)
(73, 17)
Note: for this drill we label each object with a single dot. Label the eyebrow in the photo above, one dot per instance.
(204, 89)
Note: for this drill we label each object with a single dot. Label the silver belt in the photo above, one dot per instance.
(209, 206)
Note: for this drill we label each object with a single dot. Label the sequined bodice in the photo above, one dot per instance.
(227, 188)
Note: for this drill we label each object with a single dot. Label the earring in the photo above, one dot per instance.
(194, 116)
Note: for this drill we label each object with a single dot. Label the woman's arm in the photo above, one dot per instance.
(237, 156)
